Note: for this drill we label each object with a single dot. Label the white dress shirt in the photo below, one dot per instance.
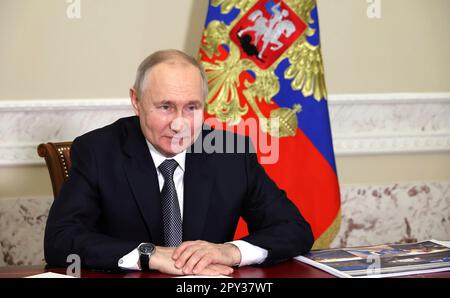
(250, 254)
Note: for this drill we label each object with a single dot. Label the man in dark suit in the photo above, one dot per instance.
(141, 196)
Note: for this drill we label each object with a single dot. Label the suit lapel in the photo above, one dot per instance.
(142, 177)
(197, 195)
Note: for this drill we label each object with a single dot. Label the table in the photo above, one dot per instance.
(288, 269)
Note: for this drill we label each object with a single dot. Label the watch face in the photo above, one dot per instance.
(146, 248)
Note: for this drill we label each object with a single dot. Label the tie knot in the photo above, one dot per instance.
(167, 168)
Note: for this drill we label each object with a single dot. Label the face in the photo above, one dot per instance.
(170, 109)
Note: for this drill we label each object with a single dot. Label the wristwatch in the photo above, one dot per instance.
(145, 252)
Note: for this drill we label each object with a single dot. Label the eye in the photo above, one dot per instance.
(192, 107)
(164, 107)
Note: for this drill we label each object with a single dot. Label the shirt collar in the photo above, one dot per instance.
(158, 158)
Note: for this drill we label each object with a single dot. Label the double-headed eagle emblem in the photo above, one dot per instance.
(263, 34)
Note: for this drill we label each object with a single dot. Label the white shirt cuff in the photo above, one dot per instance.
(250, 254)
(130, 261)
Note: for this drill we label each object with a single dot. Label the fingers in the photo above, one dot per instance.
(209, 272)
(187, 251)
(201, 264)
(216, 269)
(194, 257)
(180, 249)
(223, 269)
(200, 254)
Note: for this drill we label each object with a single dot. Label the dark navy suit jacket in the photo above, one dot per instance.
(111, 201)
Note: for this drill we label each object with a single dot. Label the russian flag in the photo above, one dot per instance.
(263, 61)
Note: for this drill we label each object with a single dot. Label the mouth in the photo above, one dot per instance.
(175, 140)
(178, 137)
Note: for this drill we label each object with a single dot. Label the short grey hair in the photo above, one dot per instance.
(164, 56)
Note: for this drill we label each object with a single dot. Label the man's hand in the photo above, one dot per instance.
(193, 257)
(162, 261)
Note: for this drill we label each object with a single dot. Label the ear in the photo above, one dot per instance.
(134, 101)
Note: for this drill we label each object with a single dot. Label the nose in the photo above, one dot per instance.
(176, 122)
(179, 124)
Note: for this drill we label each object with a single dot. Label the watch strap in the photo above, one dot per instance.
(143, 261)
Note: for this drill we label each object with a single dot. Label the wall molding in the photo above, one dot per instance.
(391, 143)
(383, 123)
(40, 105)
(390, 123)
(389, 98)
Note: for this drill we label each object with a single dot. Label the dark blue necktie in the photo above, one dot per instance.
(173, 233)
